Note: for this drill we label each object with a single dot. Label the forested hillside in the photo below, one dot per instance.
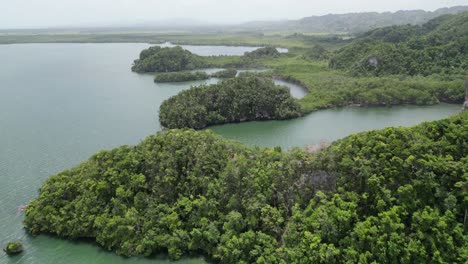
(395, 65)
(439, 46)
(397, 195)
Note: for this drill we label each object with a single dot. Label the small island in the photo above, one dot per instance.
(13, 248)
(406, 64)
(232, 100)
(156, 59)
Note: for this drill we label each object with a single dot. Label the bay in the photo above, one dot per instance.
(61, 103)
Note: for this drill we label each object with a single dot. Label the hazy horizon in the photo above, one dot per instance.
(25, 14)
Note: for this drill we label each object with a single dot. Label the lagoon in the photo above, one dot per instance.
(61, 103)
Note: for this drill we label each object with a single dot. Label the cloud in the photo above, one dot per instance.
(44, 13)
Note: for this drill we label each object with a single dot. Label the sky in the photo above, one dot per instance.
(63, 13)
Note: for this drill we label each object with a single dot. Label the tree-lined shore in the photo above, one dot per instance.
(396, 195)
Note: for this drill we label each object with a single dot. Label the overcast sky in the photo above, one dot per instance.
(52, 13)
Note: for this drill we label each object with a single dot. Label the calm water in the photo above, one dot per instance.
(297, 91)
(60, 103)
(331, 124)
(218, 50)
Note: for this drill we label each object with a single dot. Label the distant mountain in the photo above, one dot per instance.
(350, 22)
(332, 23)
(173, 23)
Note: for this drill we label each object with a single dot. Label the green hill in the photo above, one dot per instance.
(439, 46)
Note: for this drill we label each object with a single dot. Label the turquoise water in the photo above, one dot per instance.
(60, 103)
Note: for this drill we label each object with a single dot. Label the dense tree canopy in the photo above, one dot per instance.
(439, 46)
(408, 64)
(388, 66)
(157, 59)
(232, 100)
(397, 195)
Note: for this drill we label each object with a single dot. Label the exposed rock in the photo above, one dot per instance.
(374, 61)
(315, 148)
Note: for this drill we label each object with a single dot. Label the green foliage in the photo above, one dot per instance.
(399, 54)
(180, 76)
(397, 195)
(180, 191)
(229, 73)
(331, 88)
(224, 61)
(232, 100)
(437, 47)
(408, 183)
(268, 52)
(316, 52)
(13, 248)
(157, 59)
(402, 81)
(383, 91)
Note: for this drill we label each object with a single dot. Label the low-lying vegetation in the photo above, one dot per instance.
(185, 76)
(180, 76)
(228, 73)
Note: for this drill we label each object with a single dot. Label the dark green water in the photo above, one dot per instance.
(60, 103)
(329, 125)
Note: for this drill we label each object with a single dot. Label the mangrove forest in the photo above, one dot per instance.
(231, 100)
